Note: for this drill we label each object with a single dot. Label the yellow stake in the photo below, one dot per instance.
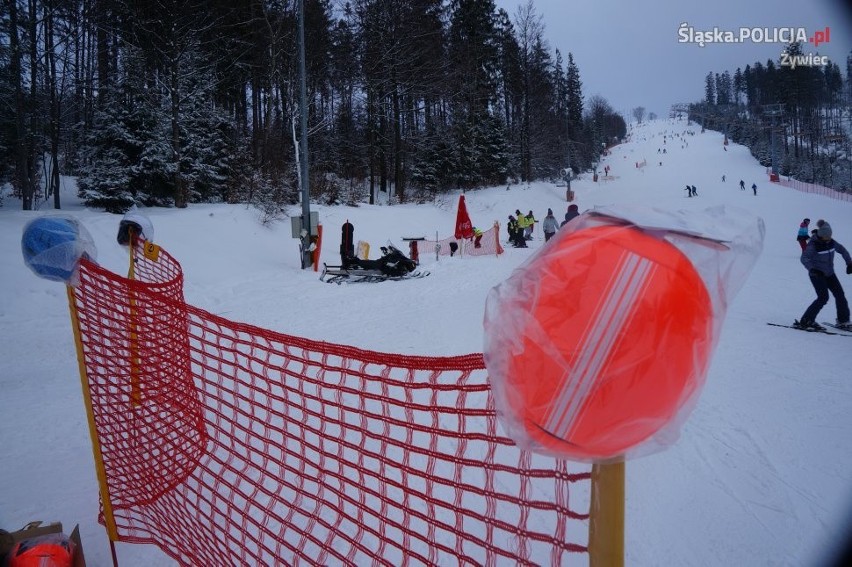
(135, 388)
(112, 531)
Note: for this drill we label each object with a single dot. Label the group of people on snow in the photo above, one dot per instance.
(520, 226)
(753, 187)
(818, 252)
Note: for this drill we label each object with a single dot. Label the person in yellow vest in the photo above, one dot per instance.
(530, 225)
(477, 238)
(523, 224)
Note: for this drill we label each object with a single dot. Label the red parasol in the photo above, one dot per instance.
(464, 228)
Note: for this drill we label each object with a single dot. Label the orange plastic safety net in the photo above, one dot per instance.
(228, 444)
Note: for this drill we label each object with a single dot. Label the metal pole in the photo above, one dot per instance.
(773, 142)
(303, 144)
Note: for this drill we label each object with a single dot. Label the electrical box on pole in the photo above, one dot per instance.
(296, 225)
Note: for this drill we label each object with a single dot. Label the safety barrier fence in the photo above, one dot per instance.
(815, 189)
(487, 244)
(227, 444)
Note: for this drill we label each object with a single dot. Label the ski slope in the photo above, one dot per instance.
(760, 475)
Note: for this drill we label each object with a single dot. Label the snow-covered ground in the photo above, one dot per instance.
(760, 476)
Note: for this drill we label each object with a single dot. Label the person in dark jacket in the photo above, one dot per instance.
(573, 212)
(516, 235)
(818, 259)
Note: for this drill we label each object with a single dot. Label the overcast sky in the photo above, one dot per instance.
(630, 53)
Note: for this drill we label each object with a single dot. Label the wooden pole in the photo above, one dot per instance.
(606, 521)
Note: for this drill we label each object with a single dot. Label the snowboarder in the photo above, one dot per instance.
(818, 259)
(550, 226)
(802, 235)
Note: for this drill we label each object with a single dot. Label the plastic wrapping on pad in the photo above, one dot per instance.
(52, 247)
(139, 223)
(597, 347)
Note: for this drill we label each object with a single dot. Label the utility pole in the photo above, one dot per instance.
(303, 145)
(773, 111)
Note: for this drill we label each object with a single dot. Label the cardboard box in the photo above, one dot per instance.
(34, 529)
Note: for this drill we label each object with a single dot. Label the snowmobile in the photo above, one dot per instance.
(393, 265)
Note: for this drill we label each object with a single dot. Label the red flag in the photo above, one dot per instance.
(464, 228)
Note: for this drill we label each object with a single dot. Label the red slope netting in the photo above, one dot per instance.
(489, 244)
(250, 447)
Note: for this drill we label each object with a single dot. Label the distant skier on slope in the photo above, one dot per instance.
(802, 236)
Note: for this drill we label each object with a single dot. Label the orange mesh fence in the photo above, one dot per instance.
(815, 189)
(488, 244)
(228, 444)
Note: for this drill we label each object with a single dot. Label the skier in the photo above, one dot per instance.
(723, 178)
(818, 259)
(802, 235)
(742, 185)
(550, 226)
(688, 191)
(694, 191)
(754, 188)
